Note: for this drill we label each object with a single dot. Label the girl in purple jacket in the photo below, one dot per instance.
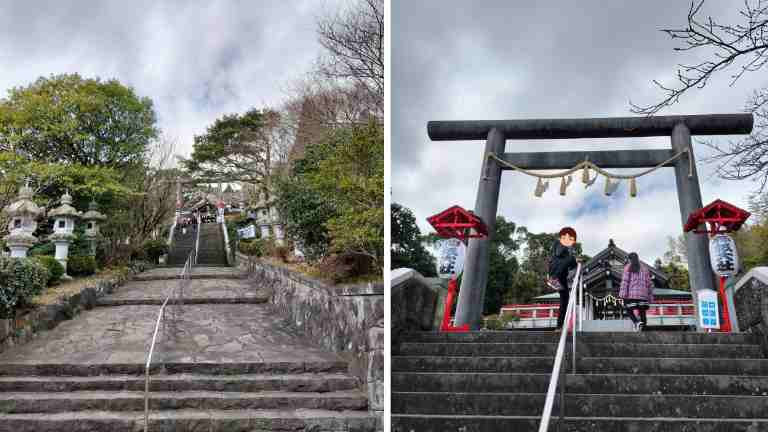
(636, 289)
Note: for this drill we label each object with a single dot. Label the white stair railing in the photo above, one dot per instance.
(176, 297)
(558, 370)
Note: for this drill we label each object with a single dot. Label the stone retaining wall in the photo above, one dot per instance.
(414, 304)
(345, 319)
(23, 328)
(751, 303)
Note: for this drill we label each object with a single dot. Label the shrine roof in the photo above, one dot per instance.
(596, 265)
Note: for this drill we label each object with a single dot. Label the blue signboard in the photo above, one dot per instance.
(709, 316)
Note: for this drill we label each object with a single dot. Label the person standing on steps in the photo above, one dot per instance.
(636, 290)
(561, 262)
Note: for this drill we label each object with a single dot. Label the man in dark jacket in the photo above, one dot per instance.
(561, 262)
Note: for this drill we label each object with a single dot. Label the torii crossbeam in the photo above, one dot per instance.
(496, 132)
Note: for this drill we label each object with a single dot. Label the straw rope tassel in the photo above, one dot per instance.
(564, 183)
(541, 187)
(610, 187)
(585, 175)
(632, 187)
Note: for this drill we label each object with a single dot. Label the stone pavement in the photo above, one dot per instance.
(207, 291)
(87, 373)
(161, 273)
(217, 333)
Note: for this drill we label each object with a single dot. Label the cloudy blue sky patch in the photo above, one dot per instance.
(197, 60)
(459, 60)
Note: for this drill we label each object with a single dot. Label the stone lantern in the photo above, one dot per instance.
(23, 213)
(264, 231)
(64, 217)
(92, 218)
(279, 233)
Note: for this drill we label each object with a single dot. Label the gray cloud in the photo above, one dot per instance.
(197, 60)
(458, 60)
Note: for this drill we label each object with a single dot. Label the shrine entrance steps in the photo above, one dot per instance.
(211, 251)
(225, 362)
(651, 382)
(181, 245)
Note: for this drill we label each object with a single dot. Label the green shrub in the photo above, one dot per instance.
(20, 280)
(54, 267)
(251, 247)
(47, 248)
(341, 267)
(153, 249)
(81, 265)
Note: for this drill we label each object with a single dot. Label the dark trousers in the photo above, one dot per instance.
(640, 305)
(565, 296)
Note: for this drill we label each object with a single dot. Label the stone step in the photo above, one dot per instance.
(736, 351)
(657, 337)
(187, 301)
(478, 349)
(588, 405)
(442, 423)
(194, 420)
(585, 384)
(600, 365)
(194, 275)
(585, 349)
(22, 403)
(319, 382)
(56, 369)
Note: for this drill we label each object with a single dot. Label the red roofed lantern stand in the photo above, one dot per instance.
(719, 217)
(456, 222)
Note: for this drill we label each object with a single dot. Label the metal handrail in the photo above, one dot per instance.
(197, 238)
(558, 373)
(177, 294)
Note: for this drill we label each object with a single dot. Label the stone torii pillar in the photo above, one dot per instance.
(496, 132)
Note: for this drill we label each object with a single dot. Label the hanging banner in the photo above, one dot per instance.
(709, 316)
(450, 257)
(723, 255)
(247, 232)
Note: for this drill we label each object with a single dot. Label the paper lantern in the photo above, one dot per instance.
(723, 255)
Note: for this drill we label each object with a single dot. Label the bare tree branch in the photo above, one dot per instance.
(736, 48)
(743, 46)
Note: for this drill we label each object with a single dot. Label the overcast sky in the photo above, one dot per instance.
(197, 60)
(460, 60)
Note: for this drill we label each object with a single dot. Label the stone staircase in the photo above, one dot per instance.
(181, 246)
(317, 396)
(653, 381)
(224, 363)
(211, 250)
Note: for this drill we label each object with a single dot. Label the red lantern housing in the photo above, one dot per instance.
(719, 217)
(455, 222)
(722, 217)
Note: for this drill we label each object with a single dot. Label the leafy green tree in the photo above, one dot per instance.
(67, 118)
(407, 248)
(503, 265)
(677, 274)
(235, 147)
(305, 214)
(352, 180)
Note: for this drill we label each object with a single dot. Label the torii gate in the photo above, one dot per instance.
(496, 132)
